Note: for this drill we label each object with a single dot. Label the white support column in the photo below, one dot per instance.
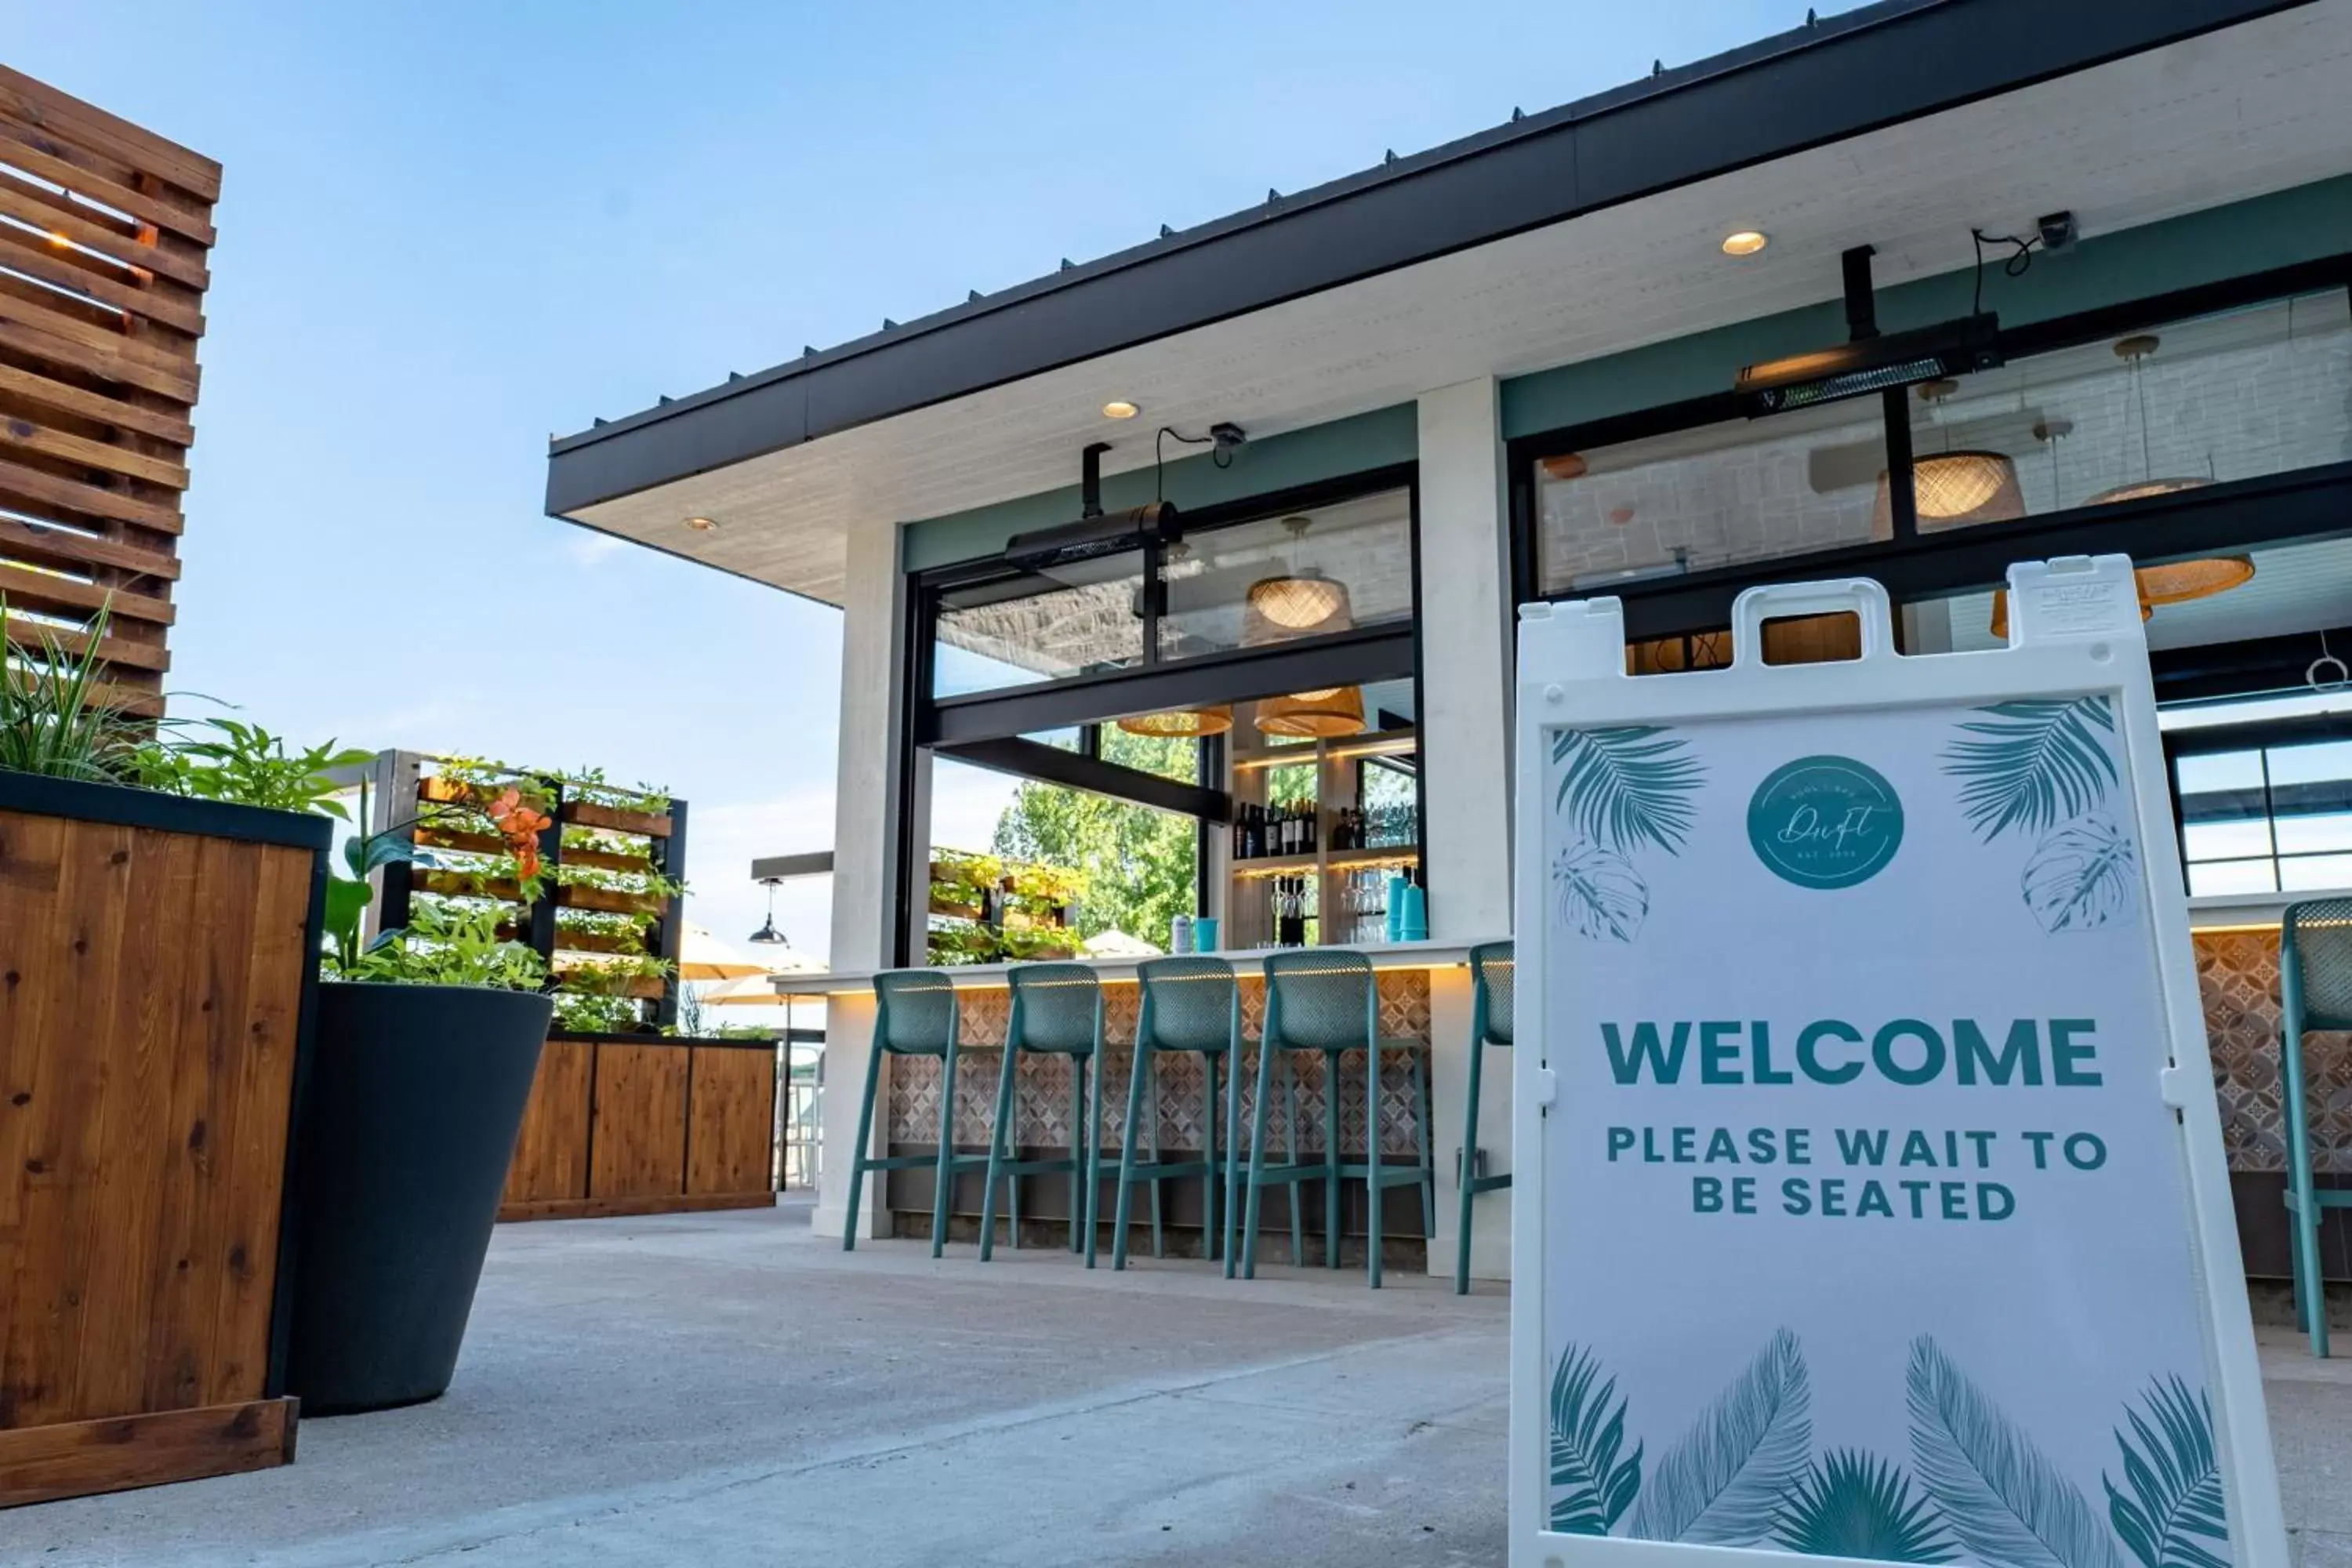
(864, 859)
(1464, 723)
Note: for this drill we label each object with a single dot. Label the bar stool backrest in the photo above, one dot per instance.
(2316, 961)
(1055, 1007)
(1320, 998)
(915, 1012)
(1491, 968)
(1190, 1004)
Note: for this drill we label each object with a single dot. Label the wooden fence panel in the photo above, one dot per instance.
(551, 1158)
(730, 1125)
(104, 231)
(640, 1132)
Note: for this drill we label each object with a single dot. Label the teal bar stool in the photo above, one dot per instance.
(1057, 1010)
(1190, 1004)
(1491, 967)
(1327, 1000)
(914, 1016)
(2315, 995)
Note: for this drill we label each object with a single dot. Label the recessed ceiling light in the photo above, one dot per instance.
(1747, 242)
(702, 524)
(1120, 408)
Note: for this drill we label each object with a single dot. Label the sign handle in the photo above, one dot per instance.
(1856, 597)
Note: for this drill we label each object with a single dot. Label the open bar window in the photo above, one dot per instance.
(2206, 433)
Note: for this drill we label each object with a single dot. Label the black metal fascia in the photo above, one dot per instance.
(1840, 77)
(1344, 659)
(2241, 514)
(1036, 760)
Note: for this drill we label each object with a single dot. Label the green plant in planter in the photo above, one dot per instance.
(245, 764)
(51, 721)
(449, 943)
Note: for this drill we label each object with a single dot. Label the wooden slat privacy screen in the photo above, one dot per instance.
(103, 232)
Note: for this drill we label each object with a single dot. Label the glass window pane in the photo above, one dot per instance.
(2213, 771)
(1072, 620)
(1304, 575)
(2231, 876)
(2222, 807)
(2311, 795)
(2264, 390)
(2305, 874)
(1743, 491)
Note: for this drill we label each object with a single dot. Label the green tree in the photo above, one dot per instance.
(1138, 861)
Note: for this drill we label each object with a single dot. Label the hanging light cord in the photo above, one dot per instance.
(1220, 457)
(2019, 261)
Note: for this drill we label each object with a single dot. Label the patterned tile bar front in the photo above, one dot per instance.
(1044, 1101)
(2238, 977)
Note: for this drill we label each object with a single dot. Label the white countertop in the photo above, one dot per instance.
(1384, 955)
(2217, 910)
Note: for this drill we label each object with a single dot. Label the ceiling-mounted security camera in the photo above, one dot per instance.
(2058, 232)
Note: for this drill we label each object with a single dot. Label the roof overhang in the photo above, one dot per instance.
(1583, 231)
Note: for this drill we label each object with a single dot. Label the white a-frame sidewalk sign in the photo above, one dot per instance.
(1871, 1200)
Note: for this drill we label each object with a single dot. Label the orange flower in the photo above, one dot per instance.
(519, 826)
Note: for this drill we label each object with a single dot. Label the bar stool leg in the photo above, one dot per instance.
(1090, 1163)
(999, 1131)
(2310, 1283)
(865, 1141)
(943, 1184)
(1466, 1176)
(1123, 1207)
(1233, 1154)
(1331, 1159)
(1421, 1137)
(1078, 1151)
(1290, 1157)
(1374, 1191)
(1158, 1250)
(1256, 1164)
(1208, 1182)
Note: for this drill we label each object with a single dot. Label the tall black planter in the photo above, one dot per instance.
(415, 1095)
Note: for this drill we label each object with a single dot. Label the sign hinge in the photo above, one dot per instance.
(1547, 1086)
(2176, 1085)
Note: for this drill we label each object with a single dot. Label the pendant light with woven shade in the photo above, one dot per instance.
(1324, 715)
(1955, 487)
(1296, 602)
(2133, 351)
(1179, 724)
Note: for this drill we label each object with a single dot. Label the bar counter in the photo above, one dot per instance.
(1425, 994)
(1424, 991)
(2237, 943)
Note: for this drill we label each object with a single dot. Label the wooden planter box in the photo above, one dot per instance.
(635, 1124)
(157, 973)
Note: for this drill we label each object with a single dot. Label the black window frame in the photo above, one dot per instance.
(987, 728)
(2312, 502)
(2264, 736)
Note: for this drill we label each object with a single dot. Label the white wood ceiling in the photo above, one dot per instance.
(2257, 107)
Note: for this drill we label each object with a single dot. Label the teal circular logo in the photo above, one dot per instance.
(1825, 822)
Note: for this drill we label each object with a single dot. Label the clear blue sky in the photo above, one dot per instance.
(450, 229)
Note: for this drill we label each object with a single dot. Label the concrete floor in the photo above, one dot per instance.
(724, 1389)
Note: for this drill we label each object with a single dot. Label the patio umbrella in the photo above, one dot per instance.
(702, 956)
(753, 990)
(1117, 943)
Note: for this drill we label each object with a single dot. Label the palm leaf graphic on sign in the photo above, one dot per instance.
(2080, 877)
(1722, 1483)
(1852, 1504)
(2174, 1514)
(1601, 896)
(2032, 763)
(1625, 787)
(2001, 1496)
(1591, 1487)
